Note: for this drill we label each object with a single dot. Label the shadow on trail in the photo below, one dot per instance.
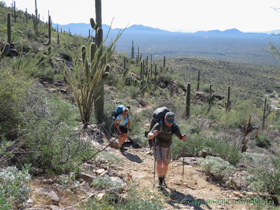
(177, 197)
(131, 157)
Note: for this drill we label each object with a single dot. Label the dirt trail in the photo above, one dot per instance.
(189, 194)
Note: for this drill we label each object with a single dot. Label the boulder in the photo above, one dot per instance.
(51, 196)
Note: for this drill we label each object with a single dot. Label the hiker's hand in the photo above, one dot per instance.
(155, 133)
(119, 132)
(184, 137)
(129, 130)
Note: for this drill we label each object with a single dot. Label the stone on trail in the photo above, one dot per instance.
(51, 196)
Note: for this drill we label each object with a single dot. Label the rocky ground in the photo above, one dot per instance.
(194, 190)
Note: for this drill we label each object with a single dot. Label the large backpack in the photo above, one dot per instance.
(117, 112)
(158, 117)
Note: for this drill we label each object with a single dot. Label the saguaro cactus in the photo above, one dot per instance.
(26, 15)
(188, 101)
(198, 80)
(9, 30)
(15, 15)
(132, 50)
(266, 112)
(58, 38)
(228, 100)
(163, 61)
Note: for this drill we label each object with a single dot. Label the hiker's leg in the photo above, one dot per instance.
(120, 140)
(164, 169)
(124, 137)
(159, 168)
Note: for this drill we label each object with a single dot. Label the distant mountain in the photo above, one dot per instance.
(231, 45)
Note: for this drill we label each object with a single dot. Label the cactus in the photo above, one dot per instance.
(155, 70)
(188, 101)
(266, 111)
(5, 50)
(36, 21)
(132, 50)
(124, 63)
(58, 38)
(228, 100)
(9, 30)
(198, 80)
(138, 57)
(15, 15)
(26, 15)
(163, 61)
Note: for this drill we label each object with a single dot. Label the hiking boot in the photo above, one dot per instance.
(160, 181)
(163, 182)
(121, 149)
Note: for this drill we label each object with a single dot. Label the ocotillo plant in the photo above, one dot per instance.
(198, 80)
(228, 100)
(9, 30)
(132, 50)
(5, 51)
(266, 112)
(188, 101)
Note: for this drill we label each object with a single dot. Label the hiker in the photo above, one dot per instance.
(162, 150)
(122, 121)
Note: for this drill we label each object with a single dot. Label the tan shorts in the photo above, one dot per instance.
(163, 153)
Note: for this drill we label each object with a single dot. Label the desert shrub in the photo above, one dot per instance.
(206, 88)
(136, 198)
(134, 92)
(49, 135)
(108, 159)
(142, 140)
(227, 150)
(193, 145)
(266, 178)
(217, 167)
(14, 189)
(263, 141)
(113, 79)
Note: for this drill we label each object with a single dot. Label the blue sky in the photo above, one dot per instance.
(171, 15)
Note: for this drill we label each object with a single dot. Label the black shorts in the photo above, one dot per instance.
(123, 129)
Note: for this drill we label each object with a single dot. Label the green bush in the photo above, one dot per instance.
(227, 150)
(14, 189)
(217, 167)
(263, 141)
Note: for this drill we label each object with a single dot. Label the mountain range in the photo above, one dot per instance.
(231, 45)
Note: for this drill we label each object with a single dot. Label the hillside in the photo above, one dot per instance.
(52, 157)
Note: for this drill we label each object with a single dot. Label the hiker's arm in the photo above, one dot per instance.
(117, 125)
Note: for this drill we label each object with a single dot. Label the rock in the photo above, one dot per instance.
(114, 143)
(87, 177)
(47, 181)
(237, 194)
(52, 207)
(103, 173)
(190, 160)
(100, 196)
(120, 181)
(85, 185)
(89, 167)
(28, 203)
(35, 171)
(52, 197)
(100, 171)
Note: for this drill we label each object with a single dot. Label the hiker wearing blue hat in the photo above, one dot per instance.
(164, 131)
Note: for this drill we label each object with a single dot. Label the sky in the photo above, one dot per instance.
(171, 15)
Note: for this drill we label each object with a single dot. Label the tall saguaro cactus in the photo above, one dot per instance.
(132, 50)
(9, 30)
(198, 80)
(266, 112)
(228, 100)
(15, 15)
(188, 101)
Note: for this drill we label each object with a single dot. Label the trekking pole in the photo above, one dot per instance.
(183, 160)
(154, 146)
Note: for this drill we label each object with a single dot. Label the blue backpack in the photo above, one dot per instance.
(117, 112)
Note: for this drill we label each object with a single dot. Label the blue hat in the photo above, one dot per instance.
(169, 117)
